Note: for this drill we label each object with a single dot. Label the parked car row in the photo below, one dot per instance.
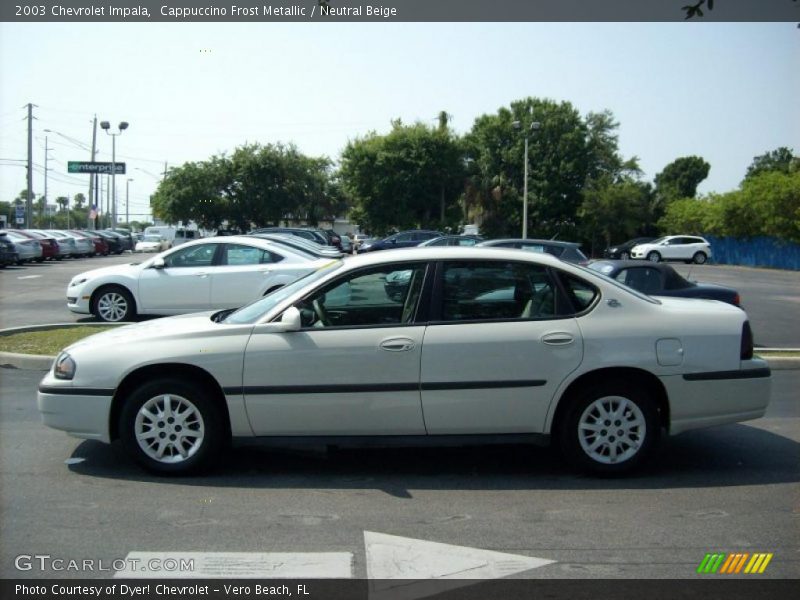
(19, 246)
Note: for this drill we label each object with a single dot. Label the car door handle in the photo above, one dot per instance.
(201, 274)
(557, 338)
(266, 271)
(398, 344)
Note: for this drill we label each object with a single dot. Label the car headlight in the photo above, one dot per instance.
(75, 282)
(64, 367)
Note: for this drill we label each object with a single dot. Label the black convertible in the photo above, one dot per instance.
(660, 279)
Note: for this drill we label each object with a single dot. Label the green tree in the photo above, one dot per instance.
(680, 178)
(78, 200)
(781, 159)
(558, 158)
(411, 177)
(613, 211)
(775, 197)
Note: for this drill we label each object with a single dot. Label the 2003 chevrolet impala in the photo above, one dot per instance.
(483, 344)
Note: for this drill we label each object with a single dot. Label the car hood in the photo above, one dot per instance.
(182, 327)
(130, 269)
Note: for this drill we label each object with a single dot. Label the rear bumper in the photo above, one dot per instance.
(707, 399)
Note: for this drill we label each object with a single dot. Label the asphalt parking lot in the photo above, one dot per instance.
(336, 511)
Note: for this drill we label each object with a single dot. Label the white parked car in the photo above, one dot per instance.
(151, 243)
(688, 248)
(211, 273)
(570, 354)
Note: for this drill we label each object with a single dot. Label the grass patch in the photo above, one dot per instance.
(48, 342)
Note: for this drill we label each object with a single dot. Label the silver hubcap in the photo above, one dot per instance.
(611, 430)
(653, 257)
(112, 306)
(169, 428)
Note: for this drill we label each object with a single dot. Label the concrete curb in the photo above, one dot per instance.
(39, 362)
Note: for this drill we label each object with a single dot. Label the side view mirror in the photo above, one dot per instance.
(290, 319)
(158, 263)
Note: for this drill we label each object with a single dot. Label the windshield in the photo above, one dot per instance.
(657, 241)
(255, 311)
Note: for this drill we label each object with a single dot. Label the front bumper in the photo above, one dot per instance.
(78, 301)
(82, 413)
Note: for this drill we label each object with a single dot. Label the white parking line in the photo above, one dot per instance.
(29, 277)
(250, 565)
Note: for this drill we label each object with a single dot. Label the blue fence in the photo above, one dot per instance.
(756, 252)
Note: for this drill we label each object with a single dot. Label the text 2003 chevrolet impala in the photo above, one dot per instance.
(483, 344)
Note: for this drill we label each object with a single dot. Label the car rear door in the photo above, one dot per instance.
(501, 340)
(244, 273)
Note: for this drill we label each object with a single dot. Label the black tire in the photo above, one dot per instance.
(654, 256)
(637, 446)
(205, 425)
(113, 304)
(699, 258)
(624, 256)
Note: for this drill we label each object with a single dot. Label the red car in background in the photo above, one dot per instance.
(49, 244)
(101, 247)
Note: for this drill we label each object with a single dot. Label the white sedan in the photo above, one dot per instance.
(688, 248)
(151, 243)
(211, 273)
(569, 355)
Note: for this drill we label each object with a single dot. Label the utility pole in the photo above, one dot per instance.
(46, 169)
(29, 199)
(92, 178)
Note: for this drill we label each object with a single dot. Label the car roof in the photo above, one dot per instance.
(428, 253)
(558, 243)
(251, 240)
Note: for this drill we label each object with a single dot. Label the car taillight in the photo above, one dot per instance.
(746, 352)
(737, 300)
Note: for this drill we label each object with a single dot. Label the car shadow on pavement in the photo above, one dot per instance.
(734, 455)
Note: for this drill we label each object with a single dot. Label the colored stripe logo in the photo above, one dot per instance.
(735, 563)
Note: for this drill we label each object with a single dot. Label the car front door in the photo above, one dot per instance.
(354, 367)
(500, 342)
(183, 284)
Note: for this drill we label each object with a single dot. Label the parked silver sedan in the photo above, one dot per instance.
(82, 246)
(28, 250)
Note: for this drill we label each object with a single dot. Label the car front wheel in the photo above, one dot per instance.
(654, 257)
(113, 304)
(624, 256)
(172, 426)
(609, 429)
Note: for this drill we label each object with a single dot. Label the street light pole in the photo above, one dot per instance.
(535, 126)
(525, 195)
(122, 127)
(127, 203)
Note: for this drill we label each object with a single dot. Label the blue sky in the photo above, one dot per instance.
(723, 91)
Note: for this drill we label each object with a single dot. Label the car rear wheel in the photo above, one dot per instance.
(699, 258)
(654, 257)
(624, 256)
(609, 429)
(172, 426)
(113, 304)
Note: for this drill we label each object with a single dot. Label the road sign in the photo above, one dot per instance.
(95, 167)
